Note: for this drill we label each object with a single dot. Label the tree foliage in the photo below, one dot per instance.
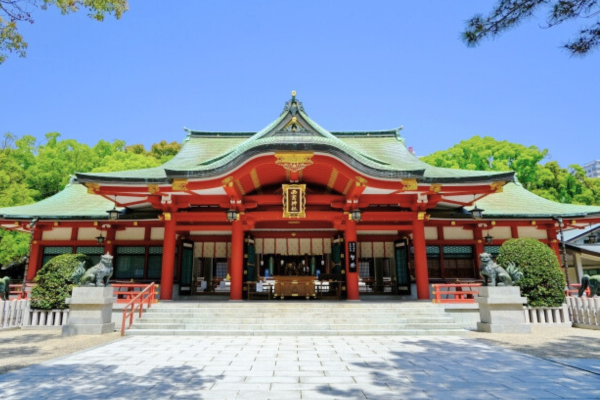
(13, 12)
(509, 13)
(543, 283)
(547, 180)
(31, 171)
(54, 283)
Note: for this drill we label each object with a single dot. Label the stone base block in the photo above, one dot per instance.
(88, 329)
(503, 328)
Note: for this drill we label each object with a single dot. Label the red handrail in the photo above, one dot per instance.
(16, 290)
(574, 292)
(459, 295)
(147, 295)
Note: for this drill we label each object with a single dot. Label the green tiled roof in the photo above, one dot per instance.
(380, 154)
(516, 201)
(70, 203)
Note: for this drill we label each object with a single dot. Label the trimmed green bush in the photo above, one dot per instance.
(54, 283)
(543, 283)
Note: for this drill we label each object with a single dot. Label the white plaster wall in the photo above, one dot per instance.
(431, 233)
(305, 246)
(259, 245)
(198, 250)
(451, 233)
(366, 250)
(317, 246)
(532, 232)
(89, 233)
(57, 234)
(157, 234)
(327, 249)
(131, 234)
(500, 232)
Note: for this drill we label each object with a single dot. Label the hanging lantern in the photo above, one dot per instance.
(232, 215)
(113, 214)
(100, 239)
(488, 238)
(356, 215)
(477, 212)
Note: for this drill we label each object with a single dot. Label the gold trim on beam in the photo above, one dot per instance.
(294, 161)
(153, 189)
(254, 177)
(92, 187)
(227, 181)
(435, 188)
(332, 178)
(347, 188)
(361, 181)
(179, 184)
(409, 184)
(240, 187)
(497, 187)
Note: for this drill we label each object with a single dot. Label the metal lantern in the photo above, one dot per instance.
(477, 212)
(100, 239)
(356, 215)
(113, 214)
(232, 215)
(488, 238)
(592, 239)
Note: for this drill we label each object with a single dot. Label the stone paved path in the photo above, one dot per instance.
(299, 368)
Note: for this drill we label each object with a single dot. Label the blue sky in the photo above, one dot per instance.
(356, 65)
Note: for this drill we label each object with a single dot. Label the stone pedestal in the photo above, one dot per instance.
(90, 311)
(501, 310)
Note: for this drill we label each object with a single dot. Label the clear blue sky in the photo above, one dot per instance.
(356, 65)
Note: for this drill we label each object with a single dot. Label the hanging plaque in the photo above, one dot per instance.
(294, 201)
(352, 261)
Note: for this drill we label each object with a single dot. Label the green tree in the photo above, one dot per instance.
(165, 151)
(548, 180)
(543, 283)
(13, 12)
(510, 13)
(13, 245)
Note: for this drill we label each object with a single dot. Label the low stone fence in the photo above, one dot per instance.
(18, 314)
(585, 311)
(12, 313)
(554, 316)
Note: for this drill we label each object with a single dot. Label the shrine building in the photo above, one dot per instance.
(233, 208)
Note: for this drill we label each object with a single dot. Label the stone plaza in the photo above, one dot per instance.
(382, 367)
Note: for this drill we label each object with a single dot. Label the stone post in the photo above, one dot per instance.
(501, 310)
(90, 311)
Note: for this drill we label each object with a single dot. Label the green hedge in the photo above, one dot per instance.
(543, 283)
(54, 283)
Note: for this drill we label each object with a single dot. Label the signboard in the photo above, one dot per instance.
(352, 261)
(294, 201)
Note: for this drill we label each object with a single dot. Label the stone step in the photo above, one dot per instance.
(298, 327)
(303, 319)
(231, 312)
(372, 332)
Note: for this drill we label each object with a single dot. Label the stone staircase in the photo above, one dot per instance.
(295, 318)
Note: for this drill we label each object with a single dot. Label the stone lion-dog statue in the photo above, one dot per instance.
(98, 275)
(4, 288)
(492, 273)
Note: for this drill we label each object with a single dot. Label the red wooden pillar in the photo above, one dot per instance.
(237, 260)
(168, 261)
(109, 245)
(351, 277)
(479, 247)
(554, 244)
(421, 271)
(35, 257)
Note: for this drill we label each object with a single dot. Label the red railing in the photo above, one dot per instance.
(16, 291)
(148, 296)
(575, 291)
(127, 291)
(454, 292)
